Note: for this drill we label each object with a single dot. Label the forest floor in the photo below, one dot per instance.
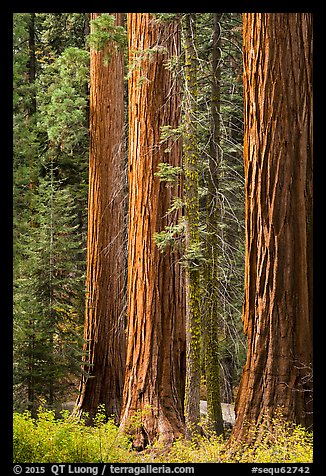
(48, 439)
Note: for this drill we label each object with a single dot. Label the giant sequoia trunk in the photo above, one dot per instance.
(277, 312)
(102, 381)
(155, 372)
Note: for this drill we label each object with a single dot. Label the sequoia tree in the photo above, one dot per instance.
(103, 367)
(155, 368)
(277, 312)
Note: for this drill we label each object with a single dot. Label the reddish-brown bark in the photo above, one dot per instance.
(277, 312)
(104, 317)
(155, 372)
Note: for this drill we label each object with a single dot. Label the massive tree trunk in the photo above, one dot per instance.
(155, 373)
(277, 312)
(102, 380)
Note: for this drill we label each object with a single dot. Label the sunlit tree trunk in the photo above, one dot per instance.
(102, 380)
(277, 312)
(155, 369)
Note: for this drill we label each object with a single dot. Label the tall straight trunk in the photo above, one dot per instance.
(31, 105)
(31, 370)
(155, 369)
(191, 162)
(31, 72)
(211, 278)
(103, 376)
(277, 312)
(31, 110)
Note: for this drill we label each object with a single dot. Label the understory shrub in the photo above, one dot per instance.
(46, 439)
(67, 439)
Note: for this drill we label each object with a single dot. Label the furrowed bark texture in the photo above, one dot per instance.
(155, 369)
(104, 316)
(277, 312)
(191, 161)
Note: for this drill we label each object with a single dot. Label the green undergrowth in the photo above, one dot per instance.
(47, 439)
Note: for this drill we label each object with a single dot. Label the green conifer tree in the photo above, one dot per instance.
(50, 196)
(48, 299)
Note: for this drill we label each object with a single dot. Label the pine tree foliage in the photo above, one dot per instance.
(62, 113)
(104, 31)
(49, 297)
(225, 199)
(58, 31)
(50, 143)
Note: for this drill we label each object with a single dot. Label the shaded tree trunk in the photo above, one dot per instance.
(103, 368)
(31, 110)
(31, 64)
(193, 245)
(211, 278)
(155, 368)
(277, 312)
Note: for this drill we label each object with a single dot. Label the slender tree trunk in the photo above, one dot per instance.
(277, 312)
(31, 110)
(155, 368)
(50, 310)
(211, 278)
(102, 380)
(191, 160)
(31, 105)
(31, 370)
(31, 64)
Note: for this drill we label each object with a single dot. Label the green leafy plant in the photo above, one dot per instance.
(69, 440)
(168, 173)
(171, 236)
(193, 257)
(104, 30)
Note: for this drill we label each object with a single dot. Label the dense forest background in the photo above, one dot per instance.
(51, 101)
(198, 245)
